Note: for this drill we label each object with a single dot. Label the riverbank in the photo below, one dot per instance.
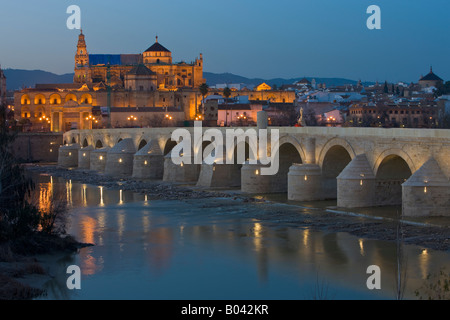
(27, 263)
(430, 236)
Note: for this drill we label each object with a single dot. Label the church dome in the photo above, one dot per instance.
(431, 77)
(157, 47)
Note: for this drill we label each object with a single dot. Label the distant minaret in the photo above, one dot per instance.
(81, 61)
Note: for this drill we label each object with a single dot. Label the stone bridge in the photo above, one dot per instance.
(360, 167)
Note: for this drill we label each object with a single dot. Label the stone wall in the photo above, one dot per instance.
(37, 147)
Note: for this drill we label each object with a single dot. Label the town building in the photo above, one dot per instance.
(430, 80)
(420, 114)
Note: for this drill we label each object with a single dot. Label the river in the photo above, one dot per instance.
(220, 248)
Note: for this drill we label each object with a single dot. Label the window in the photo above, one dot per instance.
(141, 88)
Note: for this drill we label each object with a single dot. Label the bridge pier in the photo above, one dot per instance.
(68, 156)
(84, 157)
(148, 162)
(356, 184)
(253, 182)
(180, 173)
(120, 158)
(305, 182)
(426, 192)
(219, 175)
(98, 159)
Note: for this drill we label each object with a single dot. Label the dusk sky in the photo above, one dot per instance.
(267, 39)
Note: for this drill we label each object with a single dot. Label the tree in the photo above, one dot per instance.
(204, 88)
(17, 216)
(226, 94)
(442, 89)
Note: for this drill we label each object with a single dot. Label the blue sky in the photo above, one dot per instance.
(268, 39)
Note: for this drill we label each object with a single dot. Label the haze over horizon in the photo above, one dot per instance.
(286, 39)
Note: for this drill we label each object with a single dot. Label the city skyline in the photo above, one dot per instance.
(293, 39)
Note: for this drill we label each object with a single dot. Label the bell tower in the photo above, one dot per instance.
(81, 61)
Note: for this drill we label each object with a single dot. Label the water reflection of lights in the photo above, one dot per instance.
(181, 229)
(102, 203)
(101, 221)
(120, 196)
(83, 195)
(69, 192)
(305, 237)
(257, 233)
(121, 224)
(361, 246)
(146, 223)
(45, 195)
(88, 225)
(424, 261)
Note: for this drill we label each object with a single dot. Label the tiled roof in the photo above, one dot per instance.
(157, 47)
(141, 70)
(431, 77)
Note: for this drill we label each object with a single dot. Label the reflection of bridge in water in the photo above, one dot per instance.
(149, 235)
(360, 167)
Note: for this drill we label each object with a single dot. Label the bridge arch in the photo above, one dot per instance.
(334, 157)
(392, 168)
(98, 144)
(393, 152)
(142, 144)
(169, 145)
(335, 142)
(85, 143)
(288, 139)
(289, 153)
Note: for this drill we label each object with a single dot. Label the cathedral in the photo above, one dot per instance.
(156, 62)
(142, 86)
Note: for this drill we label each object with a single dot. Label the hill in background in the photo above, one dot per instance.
(18, 79)
(221, 78)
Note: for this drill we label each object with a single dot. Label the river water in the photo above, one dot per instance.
(218, 248)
